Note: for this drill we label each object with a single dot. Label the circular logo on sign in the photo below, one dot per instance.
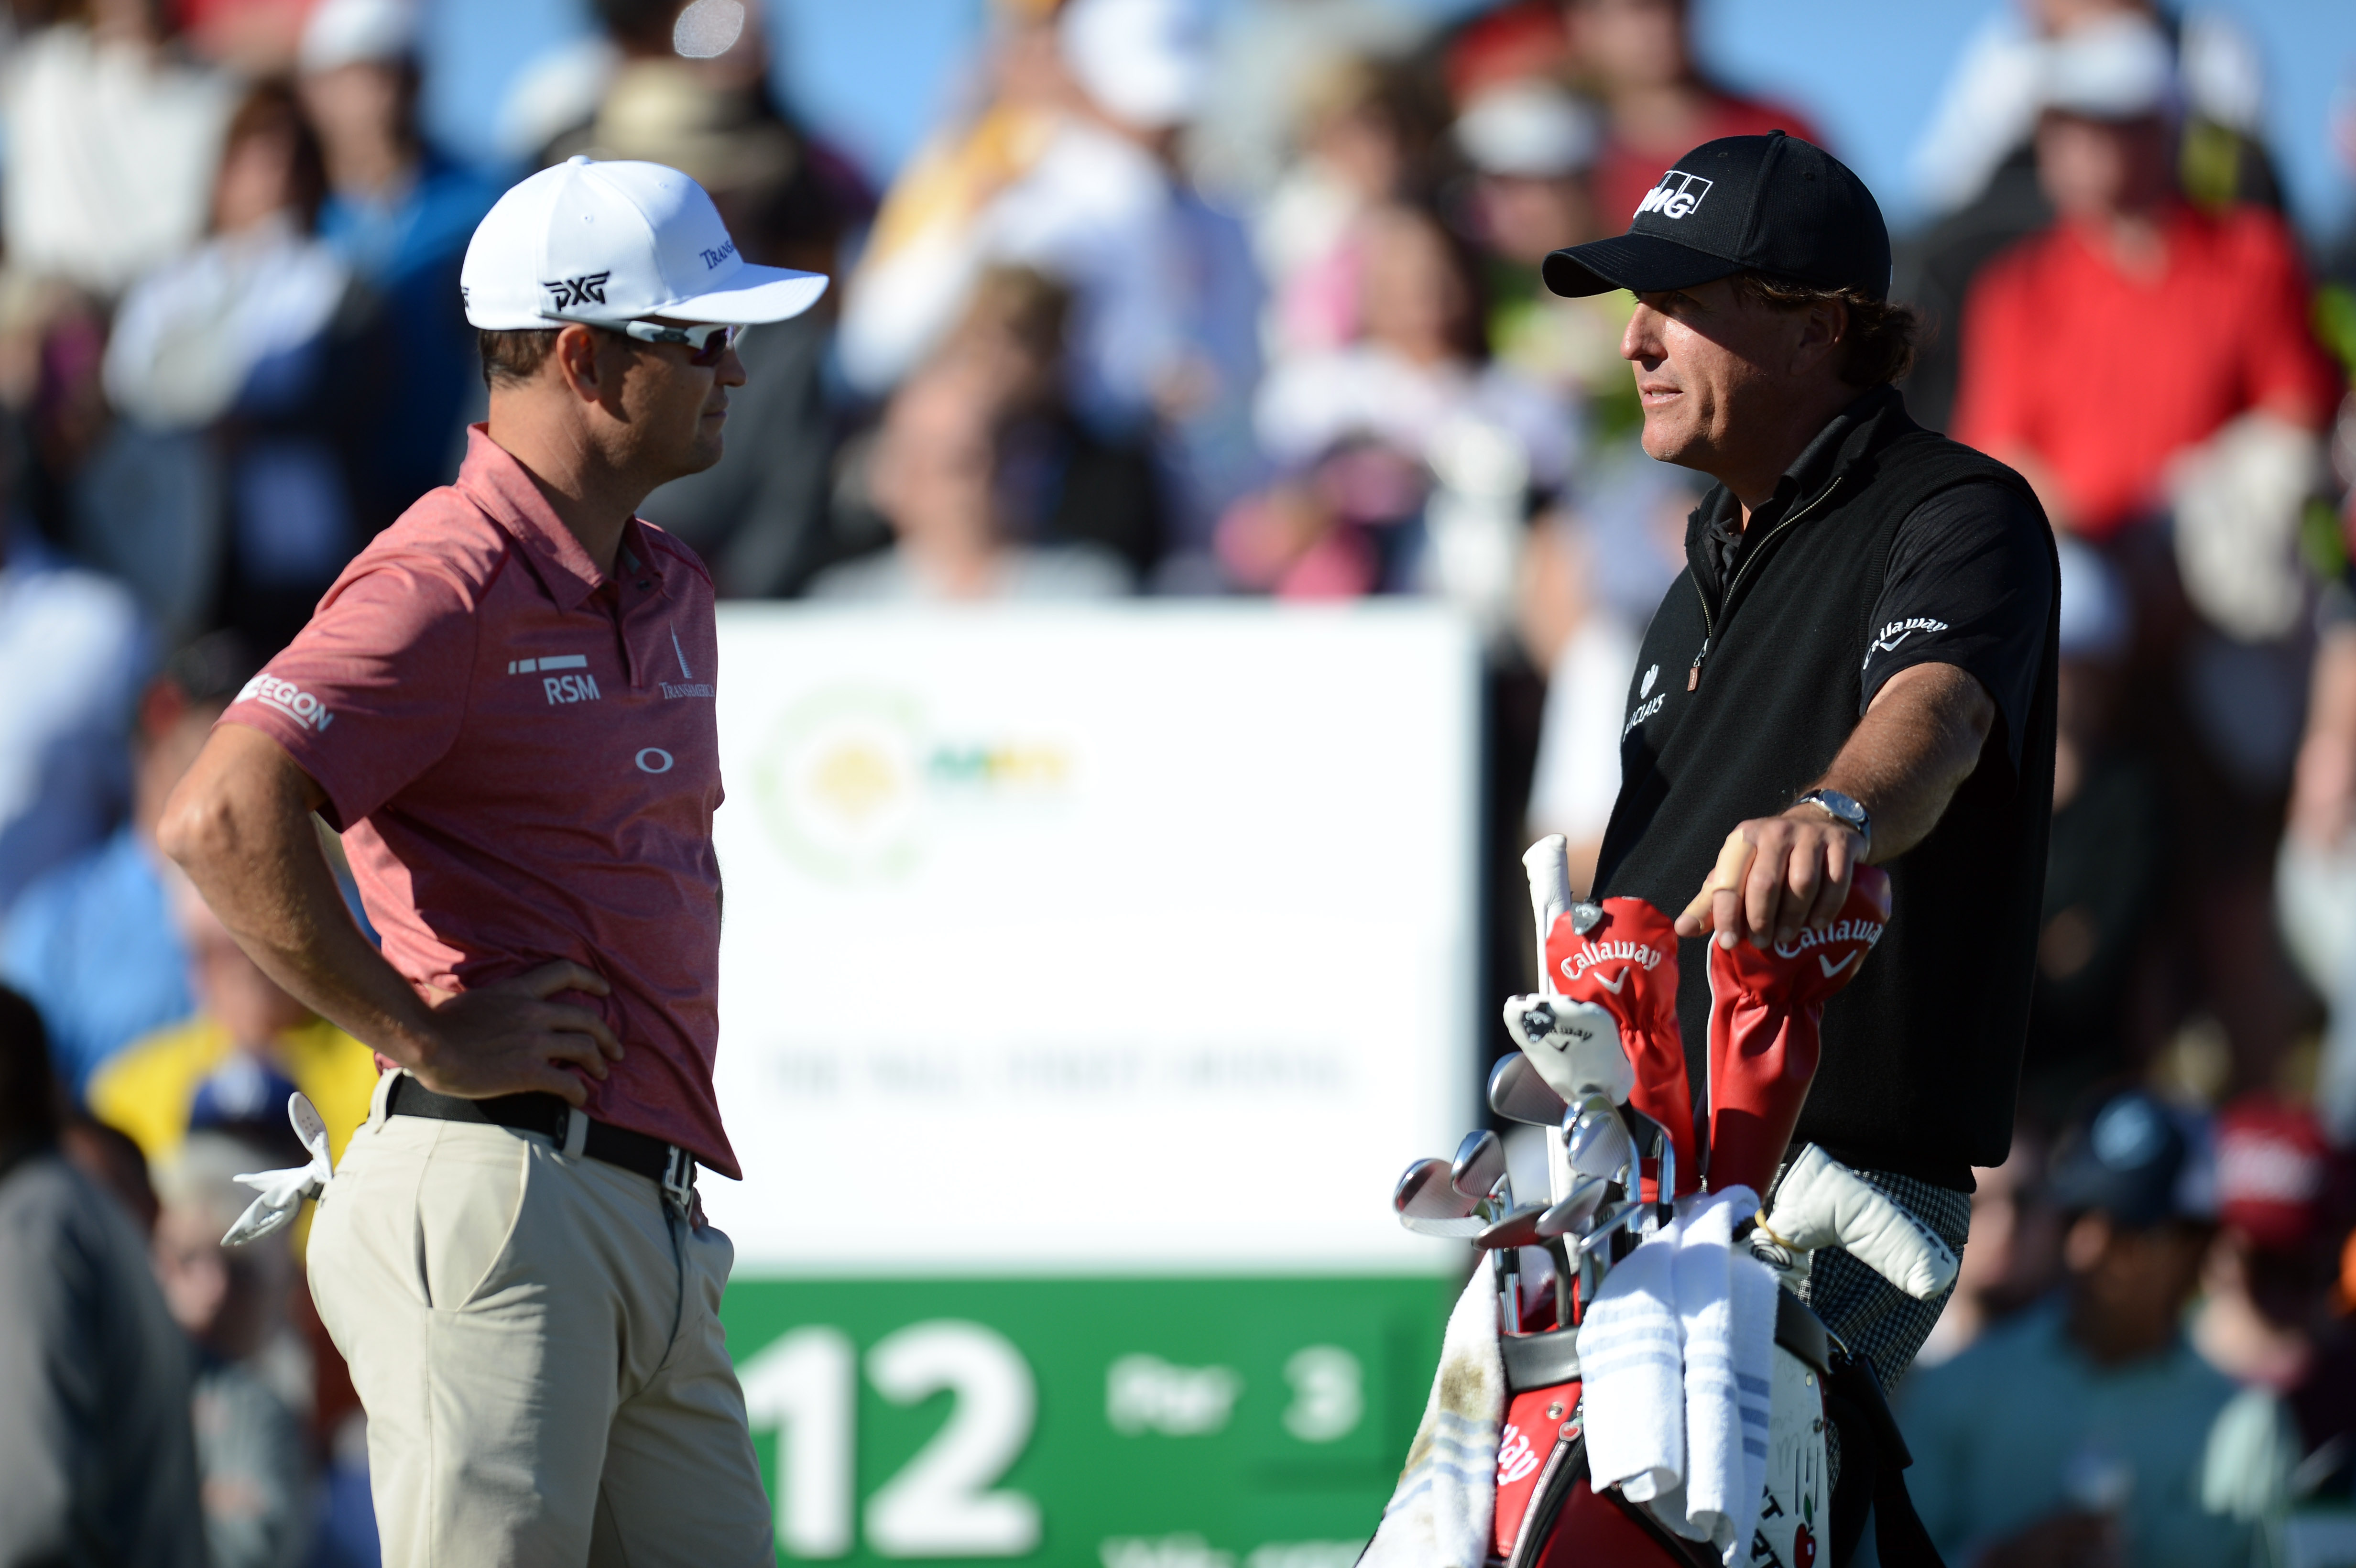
(654, 759)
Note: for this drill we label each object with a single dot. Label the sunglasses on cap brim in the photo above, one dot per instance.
(705, 342)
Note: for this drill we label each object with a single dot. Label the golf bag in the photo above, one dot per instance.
(1512, 1396)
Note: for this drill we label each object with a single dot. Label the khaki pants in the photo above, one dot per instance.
(537, 1342)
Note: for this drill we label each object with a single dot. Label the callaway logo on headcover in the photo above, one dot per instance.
(587, 289)
(1678, 193)
(1594, 952)
(1866, 931)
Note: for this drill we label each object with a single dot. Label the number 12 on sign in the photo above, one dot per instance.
(940, 1504)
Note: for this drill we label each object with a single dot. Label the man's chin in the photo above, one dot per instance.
(1663, 442)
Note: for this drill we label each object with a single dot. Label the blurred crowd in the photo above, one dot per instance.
(1180, 299)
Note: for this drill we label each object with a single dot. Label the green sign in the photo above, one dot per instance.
(1241, 1423)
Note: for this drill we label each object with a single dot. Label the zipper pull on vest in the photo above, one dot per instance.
(1693, 676)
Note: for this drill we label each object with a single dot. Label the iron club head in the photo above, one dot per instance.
(1518, 1228)
(1600, 1142)
(1424, 1193)
(1479, 1162)
(1576, 1210)
(1517, 1093)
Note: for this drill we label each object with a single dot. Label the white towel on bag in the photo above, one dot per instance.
(1440, 1514)
(1629, 1355)
(1754, 1294)
(1713, 1411)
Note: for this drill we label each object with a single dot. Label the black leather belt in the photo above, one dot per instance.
(668, 1166)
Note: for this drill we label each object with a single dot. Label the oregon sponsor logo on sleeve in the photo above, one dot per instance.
(286, 697)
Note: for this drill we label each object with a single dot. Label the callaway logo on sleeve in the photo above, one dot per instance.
(1895, 633)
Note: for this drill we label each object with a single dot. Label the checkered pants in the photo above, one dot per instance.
(1871, 1315)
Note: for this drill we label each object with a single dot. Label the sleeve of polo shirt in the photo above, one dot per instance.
(372, 692)
(1970, 583)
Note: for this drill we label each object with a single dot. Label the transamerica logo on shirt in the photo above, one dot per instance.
(286, 697)
(687, 685)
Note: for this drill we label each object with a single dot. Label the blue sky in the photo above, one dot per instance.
(873, 74)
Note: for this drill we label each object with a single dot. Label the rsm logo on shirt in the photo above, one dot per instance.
(581, 687)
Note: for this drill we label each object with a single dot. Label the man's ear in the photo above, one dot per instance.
(1824, 328)
(575, 357)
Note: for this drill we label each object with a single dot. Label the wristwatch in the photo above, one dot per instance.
(1845, 811)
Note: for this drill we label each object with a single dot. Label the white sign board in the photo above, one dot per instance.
(1132, 940)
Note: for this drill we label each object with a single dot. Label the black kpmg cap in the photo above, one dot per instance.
(1769, 204)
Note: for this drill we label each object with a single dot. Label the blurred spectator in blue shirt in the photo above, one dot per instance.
(93, 942)
(2088, 1429)
(73, 649)
(220, 363)
(399, 215)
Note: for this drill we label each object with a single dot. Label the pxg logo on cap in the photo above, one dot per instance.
(1678, 193)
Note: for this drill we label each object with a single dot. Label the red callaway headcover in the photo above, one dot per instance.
(1627, 965)
(1764, 1010)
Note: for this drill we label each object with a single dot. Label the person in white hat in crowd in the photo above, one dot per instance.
(399, 215)
(1165, 296)
(504, 704)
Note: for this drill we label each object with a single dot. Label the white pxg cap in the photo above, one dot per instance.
(606, 243)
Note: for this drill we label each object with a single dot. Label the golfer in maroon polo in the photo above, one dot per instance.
(505, 706)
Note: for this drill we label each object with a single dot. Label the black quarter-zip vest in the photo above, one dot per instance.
(1737, 707)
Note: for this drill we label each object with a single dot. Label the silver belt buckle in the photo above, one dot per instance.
(679, 1180)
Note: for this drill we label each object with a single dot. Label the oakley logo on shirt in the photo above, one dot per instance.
(286, 697)
(1678, 193)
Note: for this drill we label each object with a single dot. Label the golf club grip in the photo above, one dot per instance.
(1548, 862)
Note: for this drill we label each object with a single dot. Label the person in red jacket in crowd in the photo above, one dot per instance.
(1636, 57)
(2136, 325)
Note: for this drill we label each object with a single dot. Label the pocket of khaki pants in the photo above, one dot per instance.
(470, 1196)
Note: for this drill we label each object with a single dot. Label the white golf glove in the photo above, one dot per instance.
(283, 1191)
(1575, 1046)
(1821, 1202)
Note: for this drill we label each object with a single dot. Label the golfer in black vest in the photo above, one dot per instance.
(1858, 664)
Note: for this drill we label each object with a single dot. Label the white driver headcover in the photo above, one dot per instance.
(1575, 1046)
(1821, 1202)
(283, 1191)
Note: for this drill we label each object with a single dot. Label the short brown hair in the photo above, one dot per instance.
(517, 355)
(1883, 336)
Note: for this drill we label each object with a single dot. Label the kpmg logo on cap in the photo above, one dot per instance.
(1678, 193)
(587, 289)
